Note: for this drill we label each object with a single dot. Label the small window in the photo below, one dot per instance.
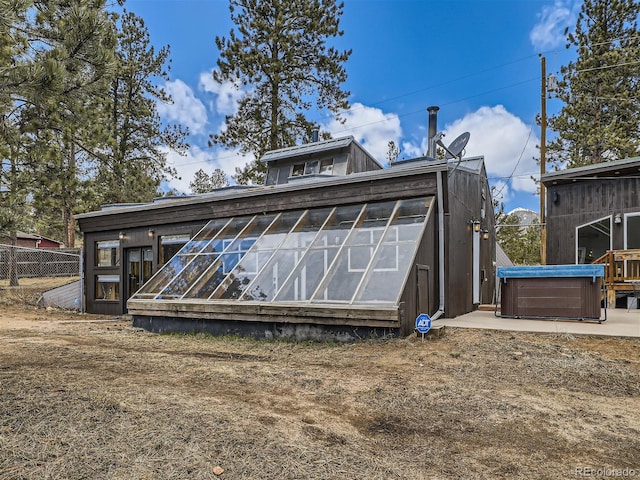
(170, 245)
(108, 253)
(108, 287)
(311, 167)
(297, 170)
(326, 167)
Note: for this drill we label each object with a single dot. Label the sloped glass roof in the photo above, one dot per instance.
(347, 255)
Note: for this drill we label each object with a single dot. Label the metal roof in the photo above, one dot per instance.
(307, 149)
(595, 170)
(398, 171)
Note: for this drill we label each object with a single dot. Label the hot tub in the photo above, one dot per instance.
(552, 291)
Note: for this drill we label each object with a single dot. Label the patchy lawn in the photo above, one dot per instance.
(85, 396)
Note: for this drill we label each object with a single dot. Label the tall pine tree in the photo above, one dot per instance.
(133, 163)
(601, 89)
(279, 54)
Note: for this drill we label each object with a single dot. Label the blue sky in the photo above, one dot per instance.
(478, 60)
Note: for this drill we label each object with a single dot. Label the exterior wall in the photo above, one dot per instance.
(570, 205)
(360, 161)
(468, 196)
(134, 238)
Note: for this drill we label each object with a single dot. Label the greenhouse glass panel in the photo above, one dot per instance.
(256, 257)
(341, 282)
(384, 280)
(205, 260)
(342, 255)
(312, 268)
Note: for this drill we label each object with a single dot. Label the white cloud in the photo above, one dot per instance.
(371, 127)
(208, 160)
(227, 94)
(507, 144)
(552, 21)
(186, 109)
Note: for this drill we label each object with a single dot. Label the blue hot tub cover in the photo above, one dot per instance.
(542, 271)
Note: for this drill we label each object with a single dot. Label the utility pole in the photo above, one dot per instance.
(543, 162)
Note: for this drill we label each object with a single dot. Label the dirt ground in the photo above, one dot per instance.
(89, 397)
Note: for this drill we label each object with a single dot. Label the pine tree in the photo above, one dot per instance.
(205, 183)
(56, 57)
(601, 89)
(279, 53)
(133, 163)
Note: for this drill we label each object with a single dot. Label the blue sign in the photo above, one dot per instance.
(423, 323)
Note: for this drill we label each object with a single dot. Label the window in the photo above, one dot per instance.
(297, 170)
(170, 245)
(108, 253)
(312, 167)
(326, 166)
(593, 240)
(108, 287)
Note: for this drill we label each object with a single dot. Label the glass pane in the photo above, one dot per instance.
(341, 282)
(258, 254)
(297, 170)
(311, 167)
(594, 240)
(170, 245)
(394, 258)
(108, 253)
(206, 260)
(107, 287)
(169, 271)
(633, 231)
(203, 237)
(282, 263)
(326, 166)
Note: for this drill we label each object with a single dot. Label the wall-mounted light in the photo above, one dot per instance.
(150, 233)
(617, 218)
(122, 235)
(485, 234)
(476, 226)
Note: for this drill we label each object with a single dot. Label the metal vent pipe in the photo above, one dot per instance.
(433, 130)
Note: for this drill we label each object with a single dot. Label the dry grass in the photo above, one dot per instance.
(29, 290)
(102, 400)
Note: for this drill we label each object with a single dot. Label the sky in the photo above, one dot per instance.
(479, 61)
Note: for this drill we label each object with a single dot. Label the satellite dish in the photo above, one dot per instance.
(456, 147)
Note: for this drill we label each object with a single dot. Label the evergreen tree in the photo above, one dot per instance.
(133, 164)
(55, 58)
(279, 53)
(205, 183)
(601, 89)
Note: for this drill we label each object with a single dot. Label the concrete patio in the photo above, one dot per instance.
(619, 323)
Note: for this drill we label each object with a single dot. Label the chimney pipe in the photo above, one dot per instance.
(314, 135)
(433, 130)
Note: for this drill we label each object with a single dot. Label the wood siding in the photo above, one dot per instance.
(570, 205)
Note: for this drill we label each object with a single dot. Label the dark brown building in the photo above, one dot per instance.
(332, 245)
(591, 210)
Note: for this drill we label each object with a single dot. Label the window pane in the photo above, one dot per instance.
(205, 235)
(326, 166)
(257, 255)
(107, 287)
(386, 277)
(282, 263)
(297, 170)
(341, 282)
(206, 263)
(311, 167)
(108, 253)
(594, 240)
(169, 271)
